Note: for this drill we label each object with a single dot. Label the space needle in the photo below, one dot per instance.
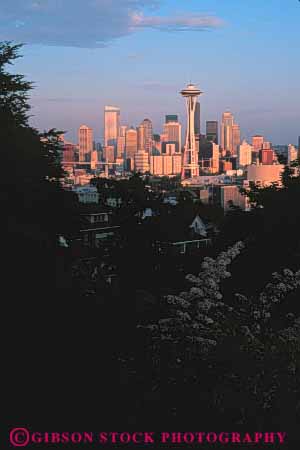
(190, 166)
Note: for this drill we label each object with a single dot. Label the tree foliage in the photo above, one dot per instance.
(228, 355)
(35, 208)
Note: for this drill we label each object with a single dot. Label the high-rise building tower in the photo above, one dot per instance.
(190, 166)
(121, 142)
(145, 136)
(257, 142)
(292, 153)
(244, 154)
(130, 147)
(226, 132)
(212, 131)
(197, 118)
(111, 125)
(172, 131)
(85, 140)
(236, 138)
(171, 118)
(266, 156)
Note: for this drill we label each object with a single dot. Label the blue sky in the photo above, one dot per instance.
(137, 54)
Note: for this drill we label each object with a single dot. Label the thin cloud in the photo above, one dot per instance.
(157, 86)
(88, 23)
(193, 22)
(65, 99)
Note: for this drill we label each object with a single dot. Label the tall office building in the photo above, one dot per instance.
(110, 154)
(257, 142)
(172, 131)
(111, 125)
(145, 136)
(197, 118)
(190, 166)
(94, 159)
(169, 165)
(236, 138)
(266, 156)
(212, 131)
(227, 132)
(156, 145)
(169, 148)
(121, 146)
(267, 145)
(131, 146)
(292, 153)
(122, 131)
(85, 140)
(215, 159)
(244, 154)
(121, 142)
(171, 118)
(131, 142)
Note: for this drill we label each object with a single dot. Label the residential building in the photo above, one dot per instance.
(86, 194)
(264, 174)
(141, 161)
(231, 196)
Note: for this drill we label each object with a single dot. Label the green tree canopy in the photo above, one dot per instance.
(36, 210)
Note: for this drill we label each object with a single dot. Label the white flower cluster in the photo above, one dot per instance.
(195, 315)
(198, 325)
(277, 290)
(197, 320)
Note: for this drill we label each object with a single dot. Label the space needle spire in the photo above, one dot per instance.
(190, 166)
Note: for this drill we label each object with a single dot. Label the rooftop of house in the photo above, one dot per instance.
(93, 208)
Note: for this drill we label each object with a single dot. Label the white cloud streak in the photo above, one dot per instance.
(192, 22)
(89, 23)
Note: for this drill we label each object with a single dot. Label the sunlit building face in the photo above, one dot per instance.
(111, 125)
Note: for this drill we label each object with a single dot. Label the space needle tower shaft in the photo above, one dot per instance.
(190, 166)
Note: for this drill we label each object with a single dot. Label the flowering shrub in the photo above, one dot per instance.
(247, 363)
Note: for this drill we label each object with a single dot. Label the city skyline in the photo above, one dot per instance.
(150, 50)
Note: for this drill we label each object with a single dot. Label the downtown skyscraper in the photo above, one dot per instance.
(131, 146)
(145, 136)
(172, 131)
(212, 131)
(226, 132)
(197, 119)
(111, 125)
(230, 134)
(85, 140)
